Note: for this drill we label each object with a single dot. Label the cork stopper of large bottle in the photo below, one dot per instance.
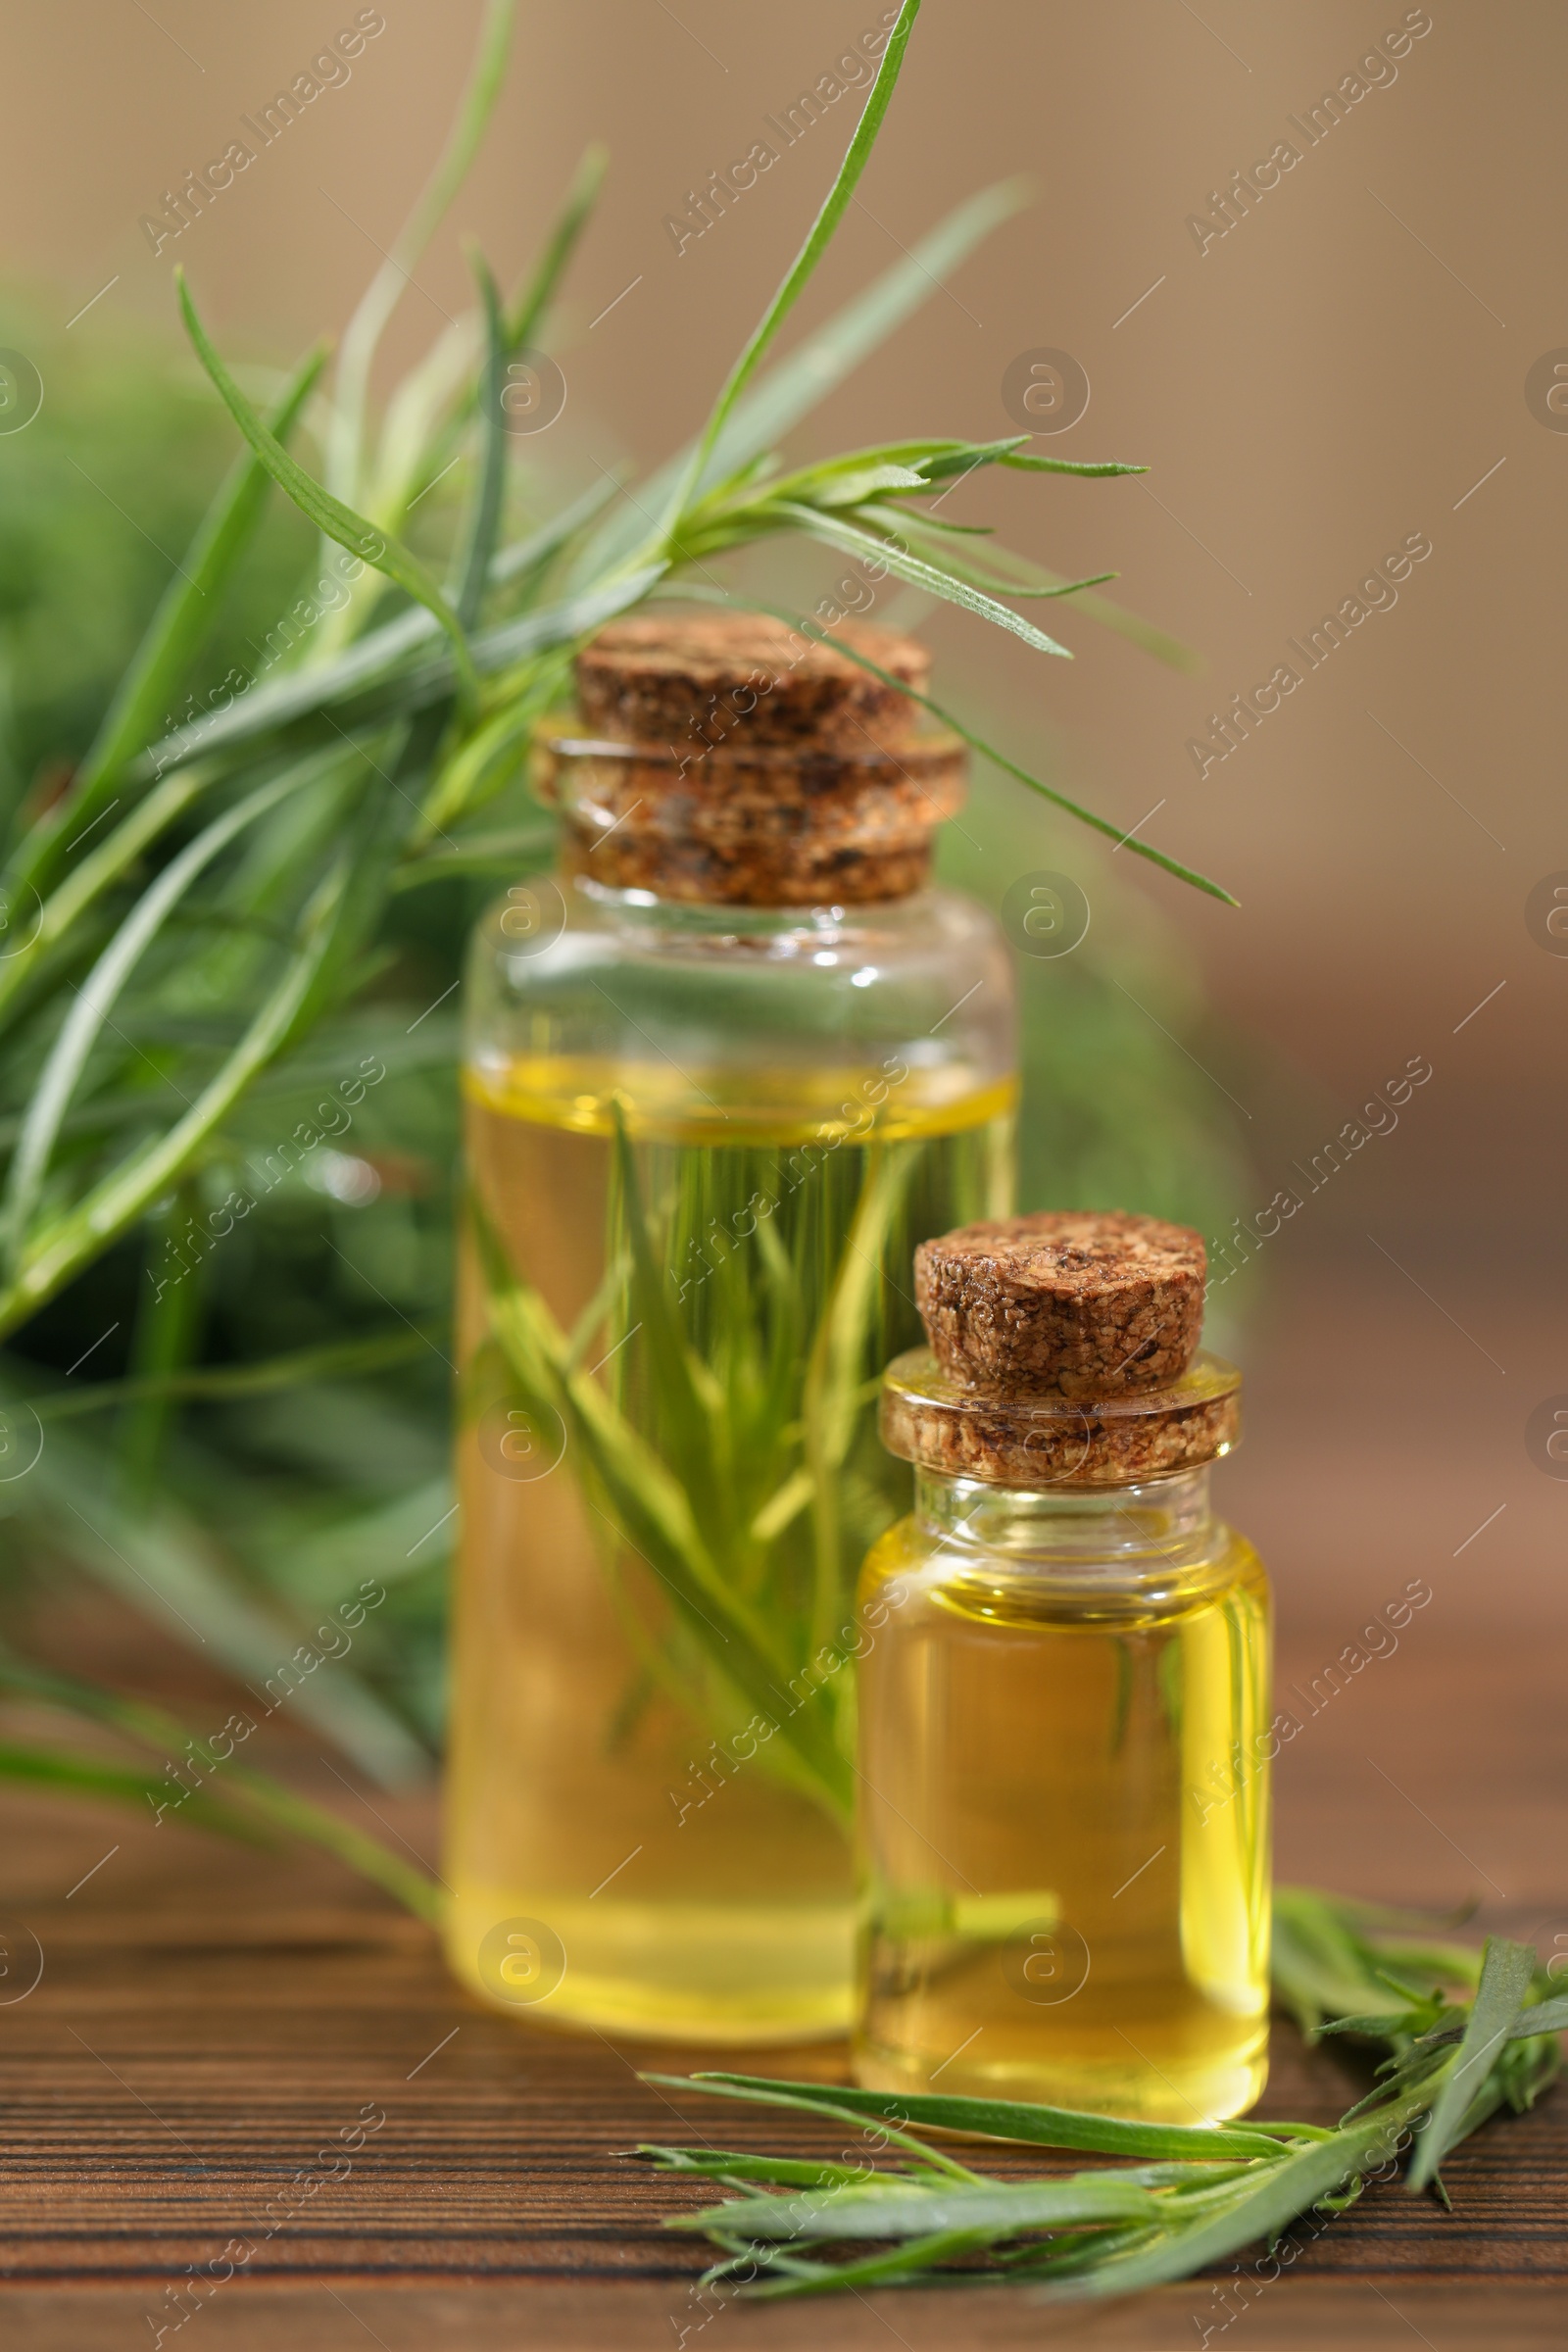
(728, 759)
(1063, 1348)
(702, 679)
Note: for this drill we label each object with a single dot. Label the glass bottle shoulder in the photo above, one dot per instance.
(900, 1011)
(549, 936)
(919, 1572)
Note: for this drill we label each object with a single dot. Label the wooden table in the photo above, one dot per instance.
(206, 2020)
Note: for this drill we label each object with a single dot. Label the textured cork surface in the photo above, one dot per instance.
(759, 827)
(728, 759)
(696, 680)
(1048, 1439)
(1084, 1302)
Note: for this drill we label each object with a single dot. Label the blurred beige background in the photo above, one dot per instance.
(1337, 371)
(1344, 369)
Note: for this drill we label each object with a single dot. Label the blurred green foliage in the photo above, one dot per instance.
(290, 1498)
(102, 492)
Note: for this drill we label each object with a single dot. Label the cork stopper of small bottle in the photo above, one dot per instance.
(1063, 1348)
(1088, 1302)
(728, 759)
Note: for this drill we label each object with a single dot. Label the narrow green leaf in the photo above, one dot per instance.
(853, 489)
(527, 311)
(1093, 606)
(693, 591)
(871, 548)
(784, 2277)
(165, 1337)
(330, 516)
(1256, 2207)
(815, 2098)
(96, 998)
(1546, 2017)
(1508, 1970)
(100, 868)
(484, 524)
(516, 851)
(787, 2172)
(278, 1807)
(185, 616)
(920, 527)
(345, 440)
(1031, 2125)
(816, 243)
(214, 1383)
(1026, 463)
(1377, 2028)
(58, 1769)
(253, 1804)
(888, 2209)
(778, 400)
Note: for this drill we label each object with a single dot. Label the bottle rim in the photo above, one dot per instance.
(748, 823)
(933, 1420)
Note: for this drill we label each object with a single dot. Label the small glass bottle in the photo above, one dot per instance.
(1065, 1751)
(721, 1074)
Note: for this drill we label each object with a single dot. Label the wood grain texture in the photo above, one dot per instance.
(208, 2020)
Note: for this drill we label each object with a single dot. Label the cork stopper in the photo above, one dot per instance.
(1048, 1440)
(1088, 1302)
(726, 759)
(701, 679)
(1062, 1352)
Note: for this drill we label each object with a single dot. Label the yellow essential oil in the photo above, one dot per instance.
(1065, 1801)
(723, 1070)
(646, 1835)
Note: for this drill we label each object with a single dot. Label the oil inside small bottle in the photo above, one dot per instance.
(1065, 1821)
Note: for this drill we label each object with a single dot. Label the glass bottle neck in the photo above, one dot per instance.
(1054, 1527)
(649, 914)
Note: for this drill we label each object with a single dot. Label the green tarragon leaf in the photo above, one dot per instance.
(329, 513)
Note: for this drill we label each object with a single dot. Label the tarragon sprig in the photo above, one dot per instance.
(1181, 2196)
(194, 922)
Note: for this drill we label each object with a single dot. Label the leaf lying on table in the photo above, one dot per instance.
(1191, 2195)
(233, 1798)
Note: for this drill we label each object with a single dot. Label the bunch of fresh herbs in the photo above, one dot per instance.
(209, 929)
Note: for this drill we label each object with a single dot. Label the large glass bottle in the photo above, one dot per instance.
(722, 1075)
(1065, 1757)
